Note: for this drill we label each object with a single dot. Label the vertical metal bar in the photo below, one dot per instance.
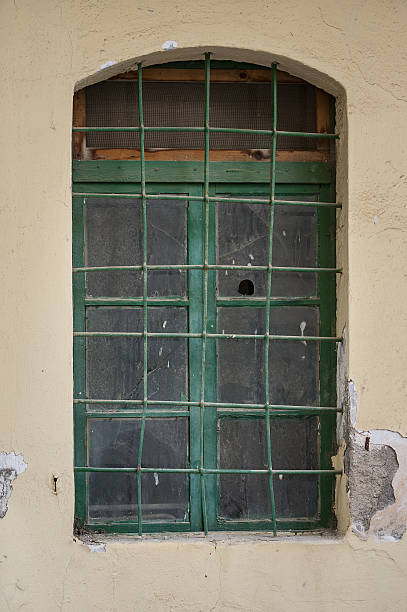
(205, 288)
(145, 309)
(268, 293)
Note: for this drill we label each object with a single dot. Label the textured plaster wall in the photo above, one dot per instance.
(357, 51)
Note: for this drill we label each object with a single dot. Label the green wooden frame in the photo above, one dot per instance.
(141, 179)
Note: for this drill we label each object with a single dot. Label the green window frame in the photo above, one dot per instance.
(201, 185)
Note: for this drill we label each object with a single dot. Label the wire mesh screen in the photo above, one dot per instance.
(232, 105)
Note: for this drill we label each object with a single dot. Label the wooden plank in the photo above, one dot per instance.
(217, 75)
(78, 120)
(323, 118)
(110, 171)
(251, 155)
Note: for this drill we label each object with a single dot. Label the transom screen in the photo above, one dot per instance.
(204, 328)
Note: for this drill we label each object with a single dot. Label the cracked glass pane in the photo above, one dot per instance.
(114, 365)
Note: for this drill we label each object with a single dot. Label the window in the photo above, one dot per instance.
(204, 301)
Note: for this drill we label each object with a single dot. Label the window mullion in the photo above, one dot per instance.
(195, 256)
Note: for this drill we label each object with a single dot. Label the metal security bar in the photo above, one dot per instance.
(210, 199)
(266, 408)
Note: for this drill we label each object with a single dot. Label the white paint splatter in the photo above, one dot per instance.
(164, 324)
(169, 45)
(284, 233)
(156, 479)
(97, 547)
(107, 64)
(281, 476)
(160, 352)
(303, 325)
(226, 273)
(251, 256)
(168, 364)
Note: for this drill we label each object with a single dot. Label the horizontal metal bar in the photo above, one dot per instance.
(131, 414)
(305, 203)
(205, 267)
(210, 198)
(105, 129)
(228, 130)
(128, 301)
(106, 334)
(251, 302)
(205, 471)
(184, 302)
(218, 405)
(225, 130)
(306, 134)
(283, 410)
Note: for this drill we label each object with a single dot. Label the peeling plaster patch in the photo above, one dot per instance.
(11, 465)
(353, 403)
(390, 523)
(169, 45)
(371, 473)
(97, 547)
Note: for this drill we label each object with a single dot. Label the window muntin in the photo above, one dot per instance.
(222, 487)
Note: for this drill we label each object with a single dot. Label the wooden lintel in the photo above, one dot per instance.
(217, 75)
(253, 155)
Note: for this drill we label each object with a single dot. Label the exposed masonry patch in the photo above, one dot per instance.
(371, 472)
(11, 465)
(375, 464)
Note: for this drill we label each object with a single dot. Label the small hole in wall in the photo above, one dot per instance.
(246, 287)
(54, 485)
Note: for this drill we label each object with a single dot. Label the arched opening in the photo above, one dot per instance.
(204, 284)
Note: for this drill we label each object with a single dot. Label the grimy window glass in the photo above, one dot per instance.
(204, 301)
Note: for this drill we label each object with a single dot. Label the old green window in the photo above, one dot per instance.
(204, 301)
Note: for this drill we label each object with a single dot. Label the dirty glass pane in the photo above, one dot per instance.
(241, 362)
(113, 237)
(243, 239)
(242, 445)
(293, 365)
(114, 443)
(114, 366)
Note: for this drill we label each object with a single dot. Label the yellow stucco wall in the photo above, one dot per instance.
(355, 50)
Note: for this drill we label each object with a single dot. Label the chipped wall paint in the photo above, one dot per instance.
(11, 466)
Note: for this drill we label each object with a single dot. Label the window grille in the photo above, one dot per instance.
(201, 474)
